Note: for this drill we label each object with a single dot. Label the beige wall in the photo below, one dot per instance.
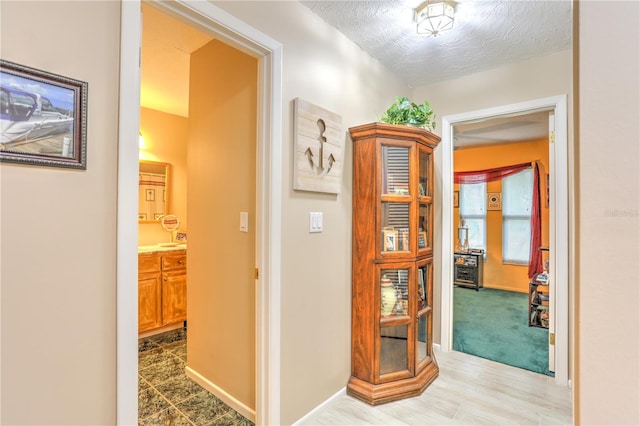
(321, 66)
(222, 162)
(608, 367)
(59, 231)
(512, 83)
(166, 141)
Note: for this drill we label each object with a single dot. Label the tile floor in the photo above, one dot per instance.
(166, 396)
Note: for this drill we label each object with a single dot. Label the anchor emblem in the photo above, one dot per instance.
(318, 163)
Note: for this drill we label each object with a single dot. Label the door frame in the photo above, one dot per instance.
(559, 219)
(227, 28)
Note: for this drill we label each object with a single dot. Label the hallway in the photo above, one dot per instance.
(469, 390)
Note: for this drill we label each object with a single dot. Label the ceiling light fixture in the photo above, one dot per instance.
(435, 17)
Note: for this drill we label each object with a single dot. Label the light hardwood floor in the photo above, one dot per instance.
(468, 391)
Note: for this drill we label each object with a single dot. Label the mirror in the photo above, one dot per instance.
(153, 191)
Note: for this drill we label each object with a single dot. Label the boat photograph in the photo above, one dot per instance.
(28, 116)
(42, 117)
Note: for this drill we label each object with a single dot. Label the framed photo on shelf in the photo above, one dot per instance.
(44, 118)
(422, 240)
(389, 240)
(456, 199)
(494, 201)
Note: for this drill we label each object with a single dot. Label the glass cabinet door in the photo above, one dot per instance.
(394, 321)
(395, 170)
(424, 289)
(425, 188)
(424, 174)
(396, 201)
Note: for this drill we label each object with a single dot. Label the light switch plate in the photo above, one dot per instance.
(315, 221)
(244, 222)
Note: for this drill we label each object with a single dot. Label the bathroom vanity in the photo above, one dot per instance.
(162, 286)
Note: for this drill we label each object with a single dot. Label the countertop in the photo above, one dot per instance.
(160, 249)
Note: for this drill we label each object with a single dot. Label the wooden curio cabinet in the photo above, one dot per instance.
(392, 281)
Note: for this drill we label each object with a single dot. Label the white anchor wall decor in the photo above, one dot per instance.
(319, 148)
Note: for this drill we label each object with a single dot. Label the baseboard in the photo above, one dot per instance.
(436, 346)
(518, 289)
(335, 396)
(221, 393)
(160, 330)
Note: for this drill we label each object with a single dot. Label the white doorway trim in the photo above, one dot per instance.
(238, 34)
(559, 203)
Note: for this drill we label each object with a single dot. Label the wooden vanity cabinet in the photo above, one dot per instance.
(162, 289)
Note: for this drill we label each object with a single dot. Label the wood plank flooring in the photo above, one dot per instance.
(468, 391)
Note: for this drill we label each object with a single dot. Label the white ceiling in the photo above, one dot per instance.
(486, 35)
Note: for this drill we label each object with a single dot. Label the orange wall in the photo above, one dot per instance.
(165, 138)
(222, 177)
(496, 274)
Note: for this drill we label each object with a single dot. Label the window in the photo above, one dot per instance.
(517, 192)
(473, 202)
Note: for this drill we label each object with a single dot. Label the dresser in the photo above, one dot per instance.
(468, 269)
(162, 287)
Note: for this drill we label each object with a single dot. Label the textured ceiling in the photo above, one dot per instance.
(486, 34)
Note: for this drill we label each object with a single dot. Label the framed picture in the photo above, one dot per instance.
(181, 236)
(389, 240)
(422, 240)
(494, 201)
(44, 118)
(456, 199)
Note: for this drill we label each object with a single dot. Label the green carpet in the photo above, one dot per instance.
(492, 324)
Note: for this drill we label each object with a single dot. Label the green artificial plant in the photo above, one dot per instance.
(405, 112)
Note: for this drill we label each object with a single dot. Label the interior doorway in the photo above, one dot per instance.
(493, 316)
(559, 226)
(268, 52)
(192, 88)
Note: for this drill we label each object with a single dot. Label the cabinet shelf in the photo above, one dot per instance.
(391, 320)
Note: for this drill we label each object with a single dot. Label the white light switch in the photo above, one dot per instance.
(315, 221)
(244, 222)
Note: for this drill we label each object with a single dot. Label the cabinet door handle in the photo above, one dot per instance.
(180, 262)
(166, 278)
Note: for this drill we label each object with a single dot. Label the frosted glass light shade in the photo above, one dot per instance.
(434, 18)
